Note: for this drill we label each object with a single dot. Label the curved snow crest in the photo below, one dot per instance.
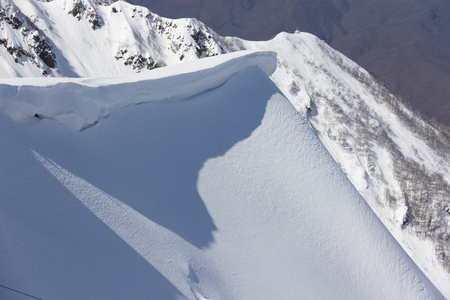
(80, 103)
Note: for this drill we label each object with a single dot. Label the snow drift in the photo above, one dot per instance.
(226, 193)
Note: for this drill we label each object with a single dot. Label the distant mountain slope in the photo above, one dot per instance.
(406, 43)
(228, 194)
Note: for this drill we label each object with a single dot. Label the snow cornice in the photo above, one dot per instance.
(80, 103)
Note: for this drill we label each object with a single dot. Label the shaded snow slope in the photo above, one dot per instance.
(228, 194)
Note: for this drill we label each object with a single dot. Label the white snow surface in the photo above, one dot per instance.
(347, 111)
(324, 87)
(225, 193)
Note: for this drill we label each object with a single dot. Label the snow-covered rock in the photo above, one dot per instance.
(80, 38)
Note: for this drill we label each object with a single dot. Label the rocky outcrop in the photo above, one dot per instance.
(30, 43)
(84, 10)
(137, 61)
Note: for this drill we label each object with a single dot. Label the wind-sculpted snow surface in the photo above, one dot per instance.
(81, 103)
(224, 194)
(397, 159)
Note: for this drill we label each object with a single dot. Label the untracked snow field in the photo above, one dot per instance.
(220, 191)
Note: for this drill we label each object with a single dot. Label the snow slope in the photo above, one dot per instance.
(225, 193)
(397, 159)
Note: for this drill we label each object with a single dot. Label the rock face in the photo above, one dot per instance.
(82, 9)
(136, 61)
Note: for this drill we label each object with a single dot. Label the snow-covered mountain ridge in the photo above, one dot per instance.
(396, 159)
(223, 194)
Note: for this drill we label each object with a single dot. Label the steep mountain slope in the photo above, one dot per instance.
(394, 157)
(406, 43)
(227, 194)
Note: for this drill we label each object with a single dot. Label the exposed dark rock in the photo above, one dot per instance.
(13, 21)
(44, 50)
(37, 43)
(77, 10)
(80, 10)
(201, 39)
(15, 51)
(136, 61)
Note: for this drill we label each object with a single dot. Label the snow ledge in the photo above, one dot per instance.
(80, 103)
